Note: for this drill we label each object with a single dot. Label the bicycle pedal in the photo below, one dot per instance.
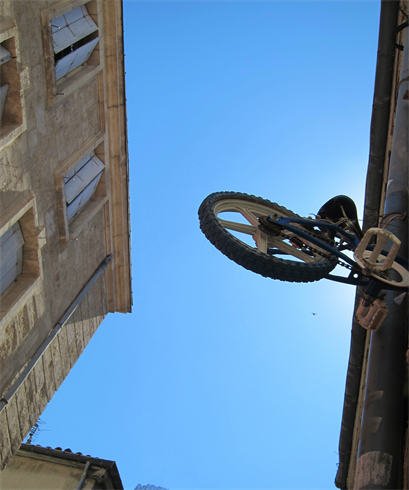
(376, 261)
(371, 317)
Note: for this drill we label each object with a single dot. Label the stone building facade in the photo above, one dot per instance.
(64, 195)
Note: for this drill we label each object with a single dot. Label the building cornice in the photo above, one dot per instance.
(117, 143)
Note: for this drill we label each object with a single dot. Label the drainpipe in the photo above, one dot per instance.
(84, 476)
(58, 326)
(380, 462)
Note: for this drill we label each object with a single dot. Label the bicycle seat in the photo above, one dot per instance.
(332, 210)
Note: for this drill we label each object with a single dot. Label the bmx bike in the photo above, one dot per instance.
(287, 247)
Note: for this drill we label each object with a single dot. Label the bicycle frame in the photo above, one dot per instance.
(356, 277)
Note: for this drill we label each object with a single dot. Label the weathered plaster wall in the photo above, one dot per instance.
(23, 473)
(35, 467)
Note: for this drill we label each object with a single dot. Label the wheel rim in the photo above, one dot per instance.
(251, 212)
(403, 280)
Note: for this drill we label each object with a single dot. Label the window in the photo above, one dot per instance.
(75, 36)
(81, 188)
(4, 57)
(71, 47)
(11, 256)
(20, 244)
(12, 87)
(81, 183)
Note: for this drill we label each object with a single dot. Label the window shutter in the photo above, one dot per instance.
(4, 55)
(11, 256)
(75, 59)
(82, 178)
(78, 167)
(71, 27)
(81, 183)
(81, 199)
(3, 95)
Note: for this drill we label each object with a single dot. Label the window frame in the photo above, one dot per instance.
(57, 90)
(68, 32)
(70, 229)
(13, 120)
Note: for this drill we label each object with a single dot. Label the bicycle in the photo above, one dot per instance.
(310, 248)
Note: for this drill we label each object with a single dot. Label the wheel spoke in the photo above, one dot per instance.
(240, 227)
(249, 211)
(250, 217)
(262, 242)
(290, 249)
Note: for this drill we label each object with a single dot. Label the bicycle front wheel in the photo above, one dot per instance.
(238, 236)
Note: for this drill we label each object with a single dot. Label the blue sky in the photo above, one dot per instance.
(221, 379)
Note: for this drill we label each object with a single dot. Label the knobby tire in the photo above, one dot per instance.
(251, 258)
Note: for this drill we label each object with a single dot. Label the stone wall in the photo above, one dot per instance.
(59, 124)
